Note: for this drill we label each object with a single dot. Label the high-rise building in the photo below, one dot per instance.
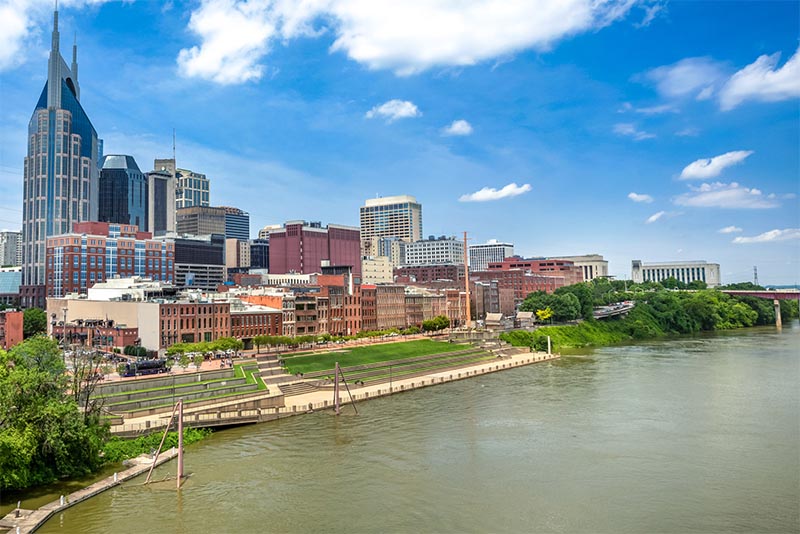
(60, 175)
(480, 255)
(397, 216)
(192, 188)
(259, 254)
(200, 220)
(303, 247)
(161, 202)
(10, 244)
(200, 262)
(237, 223)
(123, 192)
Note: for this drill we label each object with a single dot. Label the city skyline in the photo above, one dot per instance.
(636, 132)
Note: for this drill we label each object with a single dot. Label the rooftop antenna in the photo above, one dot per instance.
(755, 275)
(174, 161)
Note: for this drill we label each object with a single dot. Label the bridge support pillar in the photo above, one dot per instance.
(777, 304)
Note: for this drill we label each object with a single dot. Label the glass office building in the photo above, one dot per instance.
(123, 192)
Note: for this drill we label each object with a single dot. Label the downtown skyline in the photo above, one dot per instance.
(637, 131)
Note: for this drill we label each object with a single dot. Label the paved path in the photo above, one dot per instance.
(22, 521)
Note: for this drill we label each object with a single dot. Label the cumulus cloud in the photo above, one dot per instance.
(711, 167)
(628, 129)
(22, 19)
(459, 127)
(406, 37)
(694, 77)
(393, 110)
(730, 230)
(489, 193)
(767, 237)
(762, 80)
(731, 196)
(654, 217)
(636, 197)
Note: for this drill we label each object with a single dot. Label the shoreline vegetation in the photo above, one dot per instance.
(659, 312)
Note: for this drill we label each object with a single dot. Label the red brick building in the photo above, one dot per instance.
(10, 328)
(428, 273)
(521, 282)
(572, 274)
(301, 247)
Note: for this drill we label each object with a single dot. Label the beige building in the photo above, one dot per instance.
(592, 265)
(237, 253)
(395, 216)
(377, 270)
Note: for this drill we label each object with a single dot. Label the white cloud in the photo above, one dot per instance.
(691, 77)
(711, 167)
(773, 235)
(731, 196)
(729, 230)
(762, 80)
(654, 217)
(407, 37)
(489, 193)
(20, 20)
(650, 14)
(629, 130)
(459, 127)
(393, 110)
(636, 197)
(657, 110)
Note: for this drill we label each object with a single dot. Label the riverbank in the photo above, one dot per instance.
(23, 521)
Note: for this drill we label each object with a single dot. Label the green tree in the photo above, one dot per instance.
(34, 321)
(584, 293)
(198, 360)
(544, 315)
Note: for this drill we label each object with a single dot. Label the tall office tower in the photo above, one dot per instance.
(60, 176)
(123, 192)
(480, 255)
(201, 220)
(160, 202)
(398, 216)
(237, 223)
(10, 243)
(192, 188)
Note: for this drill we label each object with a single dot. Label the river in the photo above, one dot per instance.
(696, 434)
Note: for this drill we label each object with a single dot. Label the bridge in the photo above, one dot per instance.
(604, 312)
(776, 295)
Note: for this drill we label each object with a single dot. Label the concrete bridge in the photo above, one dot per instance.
(603, 312)
(777, 295)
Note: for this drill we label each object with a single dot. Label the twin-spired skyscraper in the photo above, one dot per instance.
(60, 175)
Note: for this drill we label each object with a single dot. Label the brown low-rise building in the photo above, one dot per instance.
(11, 322)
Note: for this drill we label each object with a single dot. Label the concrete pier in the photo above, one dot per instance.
(25, 521)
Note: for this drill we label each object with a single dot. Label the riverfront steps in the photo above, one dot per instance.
(22, 521)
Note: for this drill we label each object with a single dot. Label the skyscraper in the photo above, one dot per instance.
(160, 202)
(192, 188)
(398, 216)
(237, 223)
(60, 174)
(123, 192)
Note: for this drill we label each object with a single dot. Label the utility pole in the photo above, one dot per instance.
(466, 280)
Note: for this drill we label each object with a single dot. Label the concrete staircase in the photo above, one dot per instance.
(271, 371)
(297, 388)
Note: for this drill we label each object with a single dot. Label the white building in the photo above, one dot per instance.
(435, 251)
(377, 270)
(683, 271)
(264, 232)
(593, 265)
(480, 255)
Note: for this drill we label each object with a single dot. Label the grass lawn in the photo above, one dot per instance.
(369, 354)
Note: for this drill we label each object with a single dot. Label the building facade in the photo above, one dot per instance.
(123, 192)
(429, 273)
(259, 254)
(396, 216)
(10, 328)
(96, 251)
(683, 271)
(200, 220)
(302, 247)
(237, 223)
(60, 174)
(377, 270)
(435, 251)
(160, 202)
(492, 251)
(10, 248)
(593, 265)
(564, 268)
(200, 262)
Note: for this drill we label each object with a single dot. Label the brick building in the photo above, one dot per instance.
(572, 274)
(10, 328)
(302, 247)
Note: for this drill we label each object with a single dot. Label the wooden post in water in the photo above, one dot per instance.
(336, 389)
(180, 443)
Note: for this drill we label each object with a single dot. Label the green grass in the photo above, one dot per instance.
(368, 354)
(250, 374)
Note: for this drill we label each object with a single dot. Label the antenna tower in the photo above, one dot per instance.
(755, 274)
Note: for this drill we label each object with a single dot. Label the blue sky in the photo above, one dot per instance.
(635, 129)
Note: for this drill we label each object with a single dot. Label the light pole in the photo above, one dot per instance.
(390, 378)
